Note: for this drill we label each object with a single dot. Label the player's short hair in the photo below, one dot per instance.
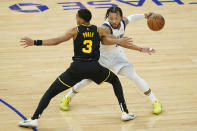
(85, 14)
(113, 10)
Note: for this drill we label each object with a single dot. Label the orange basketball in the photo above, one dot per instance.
(156, 22)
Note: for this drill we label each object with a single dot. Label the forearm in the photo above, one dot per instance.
(55, 41)
(51, 42)
(109, 40)
(132, 47)
(136, 17)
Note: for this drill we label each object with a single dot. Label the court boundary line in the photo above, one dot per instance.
(16, 111)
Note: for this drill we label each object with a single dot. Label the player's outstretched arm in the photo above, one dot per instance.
(26, 41)
(141, 49)
(136, 17)
(108, 39)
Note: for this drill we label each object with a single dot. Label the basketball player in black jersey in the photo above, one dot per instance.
(86, 39)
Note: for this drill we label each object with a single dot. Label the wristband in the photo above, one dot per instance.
(38, 42)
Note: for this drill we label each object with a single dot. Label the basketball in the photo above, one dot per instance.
(156, 22)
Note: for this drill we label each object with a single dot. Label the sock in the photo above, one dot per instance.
(123, 107)
(152, 97)
(70, 93)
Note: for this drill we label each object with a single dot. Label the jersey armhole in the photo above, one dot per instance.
(124, 24)
(97, 29)
(109, 27)
(77, 28)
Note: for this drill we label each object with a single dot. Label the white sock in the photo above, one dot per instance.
(152, 97)
(70, 93)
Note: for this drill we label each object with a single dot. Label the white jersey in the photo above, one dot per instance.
(106, 49)
(112, 56)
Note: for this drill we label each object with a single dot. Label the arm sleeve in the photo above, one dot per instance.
(136, 17)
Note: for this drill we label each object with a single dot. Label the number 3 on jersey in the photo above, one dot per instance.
(88, 48)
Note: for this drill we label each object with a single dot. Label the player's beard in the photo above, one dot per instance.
(115, 26)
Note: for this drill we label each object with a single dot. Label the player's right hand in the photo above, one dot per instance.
(26, 41)
(148, 50)
(148, 15)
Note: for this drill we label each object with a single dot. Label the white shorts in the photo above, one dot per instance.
(114, 61)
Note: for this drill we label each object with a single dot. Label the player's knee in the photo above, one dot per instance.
(116, 78)
(133, 76)
(113, 78)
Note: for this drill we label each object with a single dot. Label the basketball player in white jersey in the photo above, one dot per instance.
(113, 57)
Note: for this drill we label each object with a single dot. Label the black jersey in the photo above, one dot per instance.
(87, 43)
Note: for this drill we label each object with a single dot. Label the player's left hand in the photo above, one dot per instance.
(148, 50)
(147, 15)
(26, 41)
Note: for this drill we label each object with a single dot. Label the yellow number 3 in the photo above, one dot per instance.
(88, 44)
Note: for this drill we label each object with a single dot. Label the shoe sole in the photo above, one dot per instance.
(157, 113)
(28, 126)
(64, 109)
(130, 119)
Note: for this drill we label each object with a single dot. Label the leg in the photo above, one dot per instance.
(67, 98)
(105, 75)
(129, 72)
(63, 82)
(56, 88)
(53, 90)
(113, 79)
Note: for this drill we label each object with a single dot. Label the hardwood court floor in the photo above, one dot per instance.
(25, 74)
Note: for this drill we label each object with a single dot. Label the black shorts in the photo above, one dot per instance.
(80, 70)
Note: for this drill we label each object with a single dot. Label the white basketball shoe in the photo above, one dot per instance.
(127, 117)
(29, 123)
